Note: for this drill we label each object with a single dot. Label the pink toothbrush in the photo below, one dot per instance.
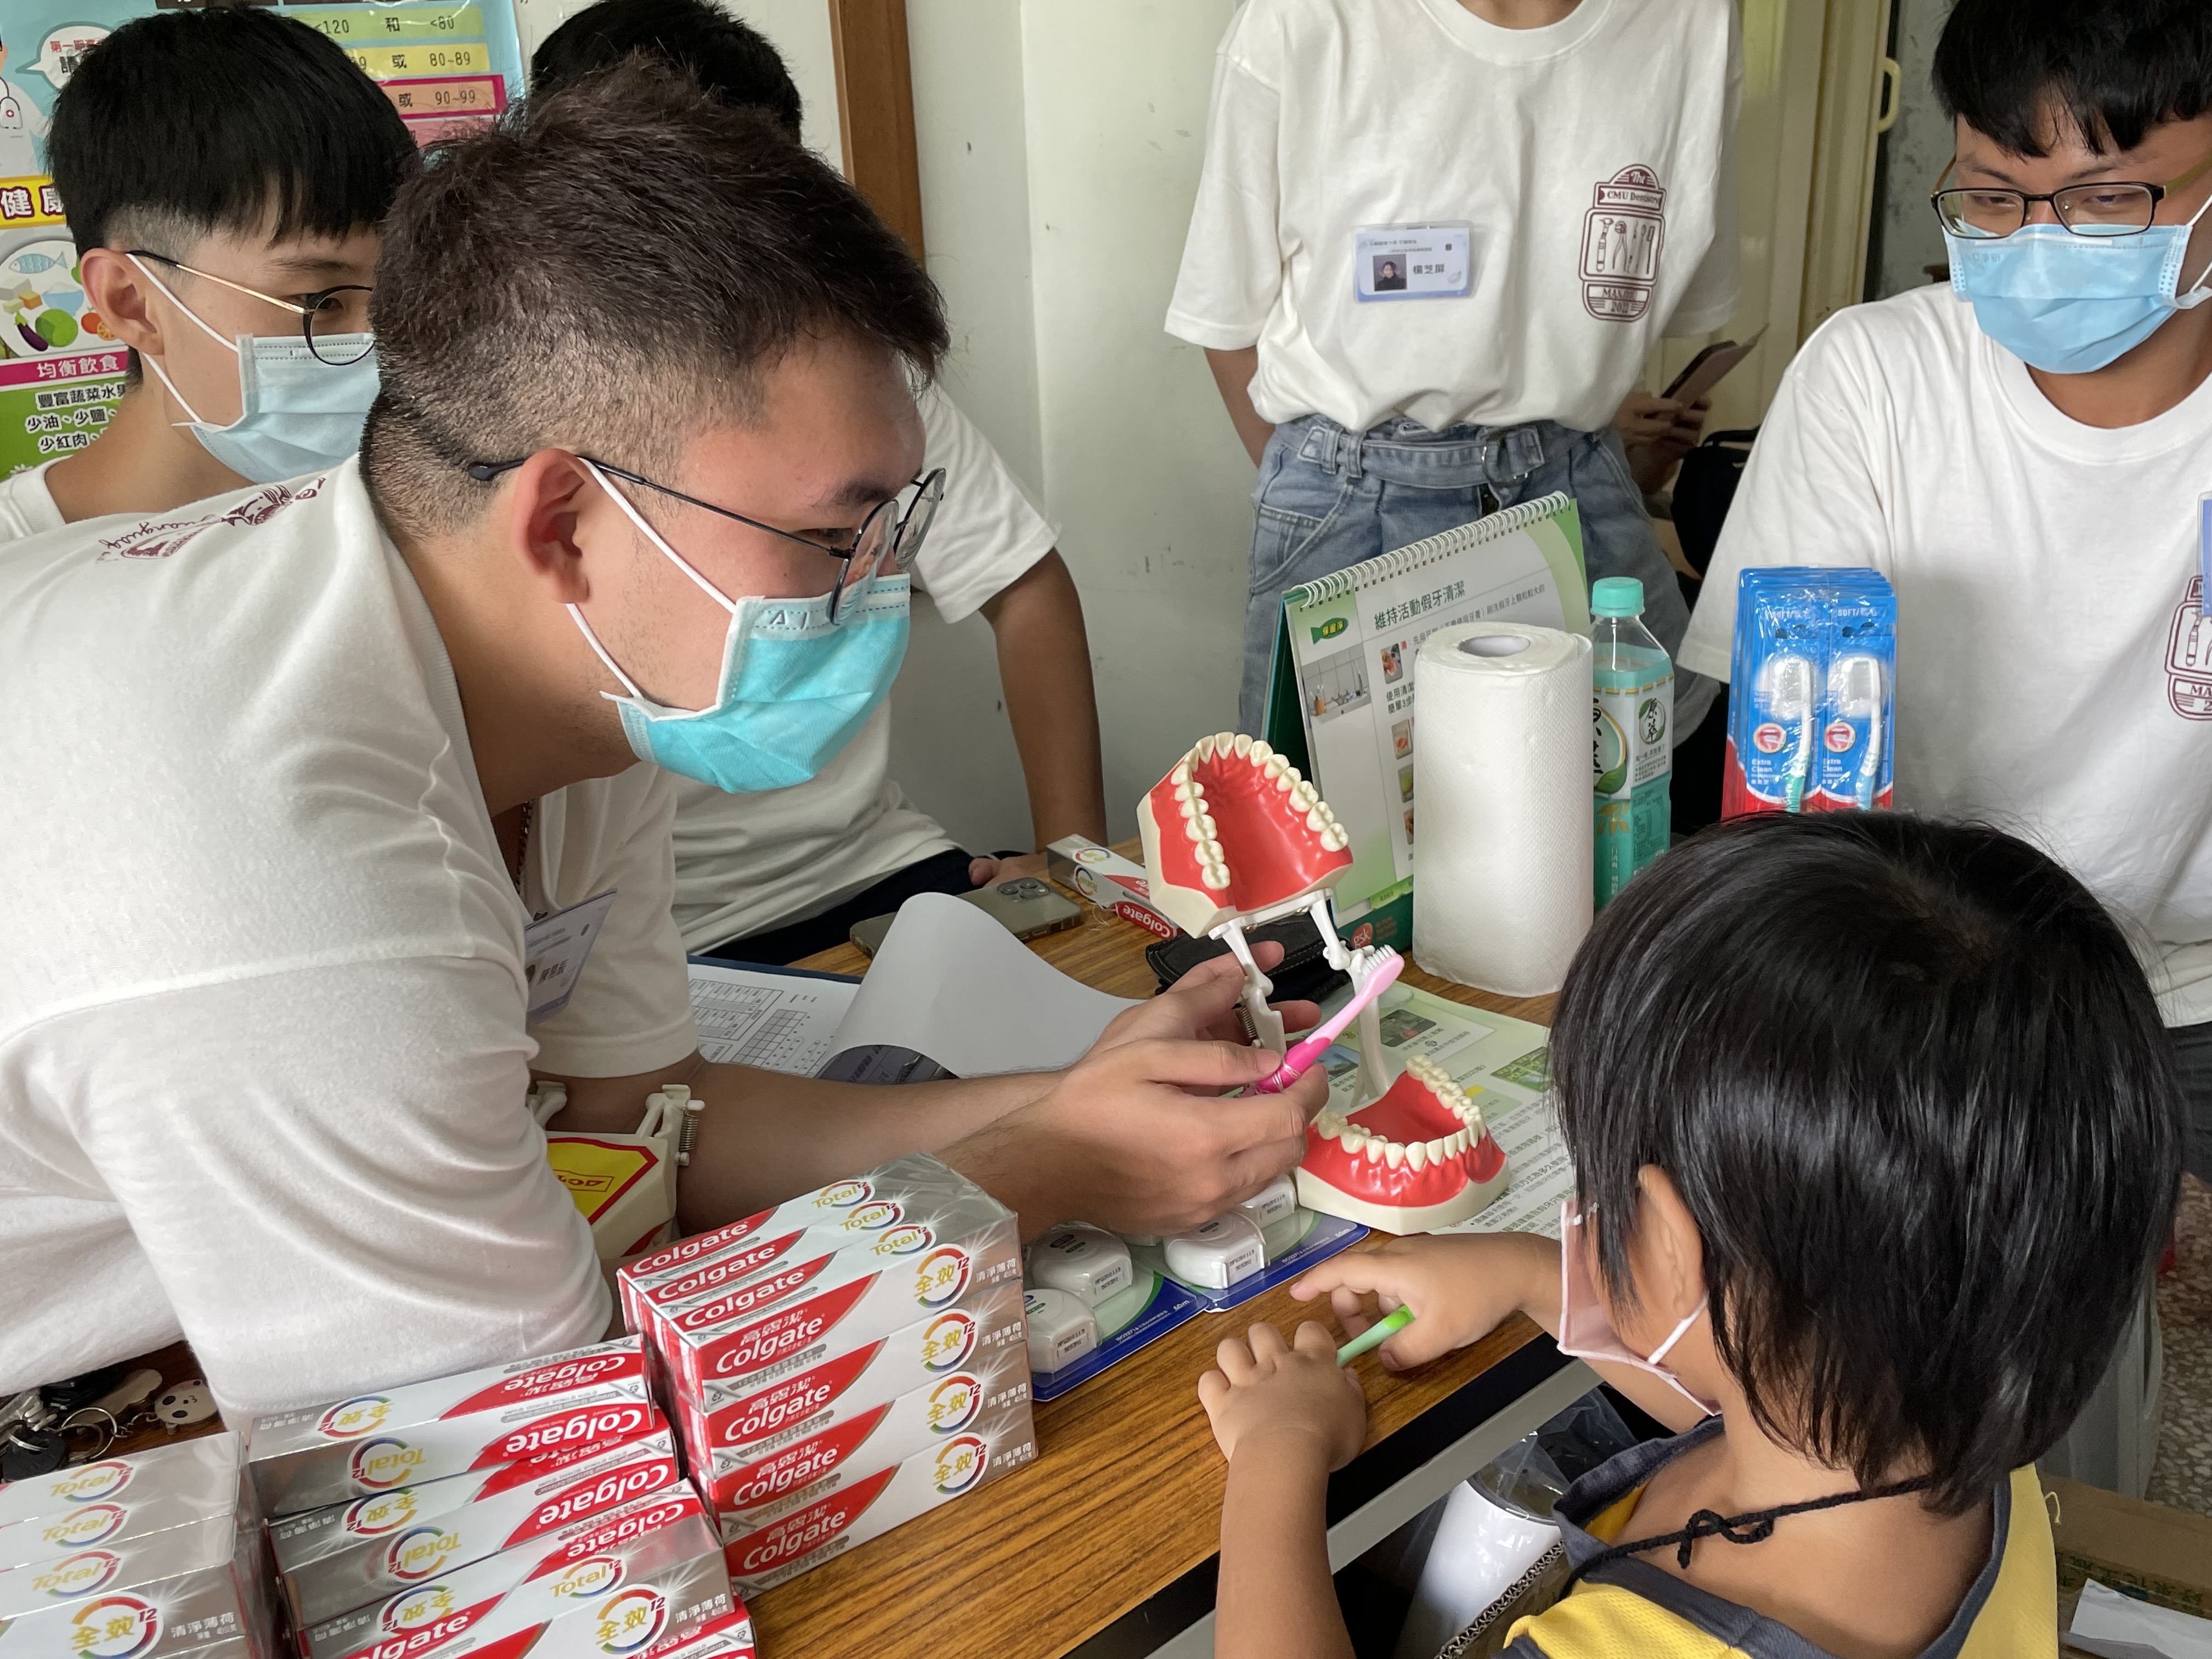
(1382, 973)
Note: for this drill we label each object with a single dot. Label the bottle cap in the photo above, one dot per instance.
(1616, 596)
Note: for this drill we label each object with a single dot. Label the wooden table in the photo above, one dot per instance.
(1104, 1549)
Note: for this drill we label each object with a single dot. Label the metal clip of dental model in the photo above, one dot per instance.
(1235, 838)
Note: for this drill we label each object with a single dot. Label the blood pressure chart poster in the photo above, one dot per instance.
(447, 65)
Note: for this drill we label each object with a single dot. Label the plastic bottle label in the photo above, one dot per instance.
(1631, 764)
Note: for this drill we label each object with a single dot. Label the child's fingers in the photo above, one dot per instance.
(1350, 1310)
(1314, 1340)
(1266, 1343)
(1211, 1388)
(1234, 1360)
(1364, 1271)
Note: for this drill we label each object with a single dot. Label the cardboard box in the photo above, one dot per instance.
(323, 1454)
(728, 1638)
(122, 1499)
(751, 1487)
(1108, 880)
(663, 1545)
(204, 1466)
(360, 1569)
(827, 1207)
(183, 1588)
(860, 1292)
(752, 1415)
(871, 1506)
(2162, 1555)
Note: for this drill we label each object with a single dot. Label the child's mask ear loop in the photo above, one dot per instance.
(1586, 1330)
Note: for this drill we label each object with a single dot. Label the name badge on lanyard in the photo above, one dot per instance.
(554, 951)
(1413, 262)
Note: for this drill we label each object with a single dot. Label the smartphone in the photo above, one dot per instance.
(1026, 907)
(1710, 368)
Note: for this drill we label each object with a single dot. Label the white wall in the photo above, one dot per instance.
(1914, 152)
(1060, 147)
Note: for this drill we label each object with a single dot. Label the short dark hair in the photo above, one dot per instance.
(189, 122)
(1912, 1083)
(504, 327)
(2114, 69)
(728, 57)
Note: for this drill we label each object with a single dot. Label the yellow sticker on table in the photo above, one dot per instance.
(357, 26)
(445, 57)
(596, 1172)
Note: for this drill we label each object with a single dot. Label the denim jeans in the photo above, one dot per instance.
(1328, 498)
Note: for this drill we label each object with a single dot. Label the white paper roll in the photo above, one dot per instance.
(1502, 804)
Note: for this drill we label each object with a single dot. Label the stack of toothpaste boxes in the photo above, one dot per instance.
(156, 1556)
(537, 1507)
(842, 1363)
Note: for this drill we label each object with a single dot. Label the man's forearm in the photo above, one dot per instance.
(1232, 375)
(764, 1137)
(1276, 1599)
(1044, 670)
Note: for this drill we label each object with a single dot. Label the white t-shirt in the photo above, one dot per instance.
(263, 1054)
(2052, 676)
(747, 863)
(1592, 160)
(27, 506)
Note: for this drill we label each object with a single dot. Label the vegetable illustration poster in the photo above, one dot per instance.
(447, 65)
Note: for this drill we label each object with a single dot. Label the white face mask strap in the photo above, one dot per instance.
(230, 346)
(162, 374)
(614, 668)
(654, 537)
(1679, 1332)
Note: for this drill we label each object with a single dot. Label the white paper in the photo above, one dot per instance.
(778, 1022)
(952, 983)
(2121, 1627)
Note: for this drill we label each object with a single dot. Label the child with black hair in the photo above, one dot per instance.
(1875, 1136)
(224, 169)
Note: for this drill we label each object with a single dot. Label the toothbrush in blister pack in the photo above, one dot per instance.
(1812, 708)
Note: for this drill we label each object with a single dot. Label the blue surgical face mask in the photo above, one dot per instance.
(297, 413)
(795, 686)
(2070, 305)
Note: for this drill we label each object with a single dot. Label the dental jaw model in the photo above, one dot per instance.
(1234, 838)
(1418, 1158)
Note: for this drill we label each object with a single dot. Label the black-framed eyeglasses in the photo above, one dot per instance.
(334, 321)
(2107, 208)
(889, 535)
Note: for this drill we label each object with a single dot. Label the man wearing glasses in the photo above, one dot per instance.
(224, 171)
(2022, 453)
(290, 786)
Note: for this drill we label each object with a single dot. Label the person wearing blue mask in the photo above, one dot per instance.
(295, 775)
(224, 170)
(2021, 451)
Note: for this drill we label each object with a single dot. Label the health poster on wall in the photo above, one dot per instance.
(447, 65)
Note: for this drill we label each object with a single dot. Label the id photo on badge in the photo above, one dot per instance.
(1413, 262)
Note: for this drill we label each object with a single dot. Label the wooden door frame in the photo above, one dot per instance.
(875, 110)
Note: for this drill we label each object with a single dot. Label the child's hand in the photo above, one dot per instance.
(1460, 1289)
(1271, 1388)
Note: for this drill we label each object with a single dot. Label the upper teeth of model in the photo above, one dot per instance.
(1303, 800)
(1333, 1125)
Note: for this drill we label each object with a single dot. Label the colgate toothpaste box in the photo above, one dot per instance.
(725, 1638)
(303, 1460)
(364, 1567)
(121, 1500)
(850, 1296)
(644, 1572)
(819, 1388)
(750, 1488)
(1108, 880)
(870, 1505)
(842, 1205)
(183, 1588)
(207, 1466)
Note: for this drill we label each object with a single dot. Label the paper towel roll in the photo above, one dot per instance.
(1501, 805)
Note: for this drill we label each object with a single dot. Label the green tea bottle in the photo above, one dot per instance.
(1632, 715)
